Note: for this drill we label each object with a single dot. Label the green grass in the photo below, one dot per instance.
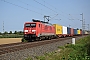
(29, 58)
(79, 51)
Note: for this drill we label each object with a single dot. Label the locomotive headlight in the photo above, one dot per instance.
(25, 30)
(33, 30)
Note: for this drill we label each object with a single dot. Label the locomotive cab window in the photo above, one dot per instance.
(30, 25)
(33, 25)
(27, 25)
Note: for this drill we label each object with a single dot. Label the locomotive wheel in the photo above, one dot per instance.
(40, 38)
(49, 38)
(32, 40)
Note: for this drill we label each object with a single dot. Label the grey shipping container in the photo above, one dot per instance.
(75, 31)
(68, 30)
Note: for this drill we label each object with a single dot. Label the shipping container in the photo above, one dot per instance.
(78, 32)
(72, 31)
(64, 30)
(58, 28)
(75, 31)
(68, 30)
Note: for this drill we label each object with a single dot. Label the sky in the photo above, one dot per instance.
(14, 13)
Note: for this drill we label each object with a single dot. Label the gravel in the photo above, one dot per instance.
(35, 51)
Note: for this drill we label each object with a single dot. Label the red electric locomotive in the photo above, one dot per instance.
(38, 30)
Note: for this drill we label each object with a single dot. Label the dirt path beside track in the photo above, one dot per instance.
(9, 40)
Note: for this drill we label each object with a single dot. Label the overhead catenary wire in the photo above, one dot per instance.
(22, 7)
(60, 10)
(68, 15)
(28, 4)
(32, 6)
(74, 17)
(33, 10)
(56, 9)
(37, 8)
(54, 16)
(45, 6)
(28, 8)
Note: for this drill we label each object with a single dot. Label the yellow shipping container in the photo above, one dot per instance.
(78, 31)
(58, 28)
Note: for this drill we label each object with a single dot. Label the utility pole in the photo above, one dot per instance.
(3, 26)
(82, 23)
(88, 27)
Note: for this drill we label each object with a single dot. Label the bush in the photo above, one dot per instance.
(23, 40)
(81, 51)
(11, 36)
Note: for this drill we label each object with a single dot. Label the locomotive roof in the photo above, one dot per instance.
(38, 21)
(46, 23)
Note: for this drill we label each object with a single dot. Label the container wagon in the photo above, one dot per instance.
(68, 31)
(75, 32)
(72, 31)
(78, 32)
(58, 30)
(64, 30)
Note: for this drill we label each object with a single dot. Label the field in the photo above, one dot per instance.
(9, 40)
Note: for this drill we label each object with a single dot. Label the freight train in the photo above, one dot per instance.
(39, 30)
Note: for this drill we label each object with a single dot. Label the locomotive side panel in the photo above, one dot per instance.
(47, 30)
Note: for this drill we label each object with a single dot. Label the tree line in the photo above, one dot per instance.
(10, 32)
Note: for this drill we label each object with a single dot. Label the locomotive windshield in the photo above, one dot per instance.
(30, 25)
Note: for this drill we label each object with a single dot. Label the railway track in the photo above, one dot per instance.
(7, 48)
